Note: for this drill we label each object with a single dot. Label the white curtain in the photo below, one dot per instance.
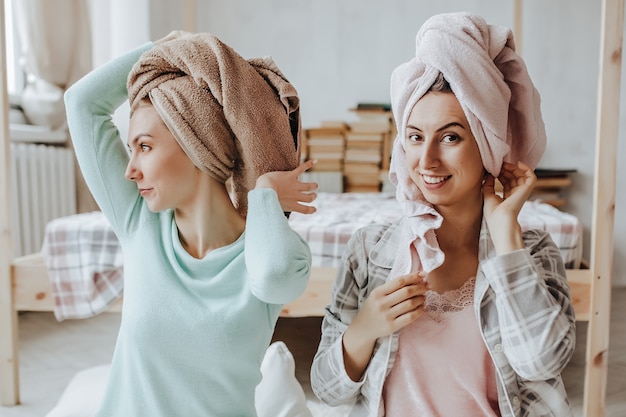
(55, 38)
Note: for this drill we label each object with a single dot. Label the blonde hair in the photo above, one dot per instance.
(441, 85)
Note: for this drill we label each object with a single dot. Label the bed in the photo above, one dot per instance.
(25, 284)
(83, 259)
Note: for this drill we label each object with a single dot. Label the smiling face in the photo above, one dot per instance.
(165, 176)
(442, 155)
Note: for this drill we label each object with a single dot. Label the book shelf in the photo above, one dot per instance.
(360, 150)
(550, 187)
(550, 190)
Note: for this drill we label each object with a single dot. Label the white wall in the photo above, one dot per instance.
(117, 27)
(340, 52)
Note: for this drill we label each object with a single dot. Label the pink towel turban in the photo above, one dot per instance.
(232, 116)
(498, 98)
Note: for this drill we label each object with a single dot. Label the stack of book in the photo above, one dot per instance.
(368, 147)
(326, 144)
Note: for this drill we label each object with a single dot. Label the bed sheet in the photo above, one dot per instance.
(84, 258)
(85, 265)
(338, 216)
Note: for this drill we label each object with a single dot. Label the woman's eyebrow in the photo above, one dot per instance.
(134, 140)
(446, 126)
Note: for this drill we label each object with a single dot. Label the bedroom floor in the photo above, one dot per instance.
(51, 353)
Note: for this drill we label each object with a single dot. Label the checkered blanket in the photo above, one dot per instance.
(337, 217)
(84, 261)
(84, 258)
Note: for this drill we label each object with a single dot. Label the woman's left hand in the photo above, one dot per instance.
(501, 212)
(517, 182)
(290, 190)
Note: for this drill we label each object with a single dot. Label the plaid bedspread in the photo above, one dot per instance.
(338, 216)
(84, 261)
(84, 258)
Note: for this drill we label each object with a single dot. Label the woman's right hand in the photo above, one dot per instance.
(388, 309)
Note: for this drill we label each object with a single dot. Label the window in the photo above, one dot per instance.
(15, 75)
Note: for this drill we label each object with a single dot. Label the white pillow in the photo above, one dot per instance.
(280, 394)
(84, 393)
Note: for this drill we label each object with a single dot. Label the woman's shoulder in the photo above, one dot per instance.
(377, 242)
(536, 237)
(541, 245)
(373, 233)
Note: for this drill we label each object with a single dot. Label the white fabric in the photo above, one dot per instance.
(56, 50)
(83, 395)
(278, 395)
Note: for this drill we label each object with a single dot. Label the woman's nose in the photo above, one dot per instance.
(132, 173)
(430, 155)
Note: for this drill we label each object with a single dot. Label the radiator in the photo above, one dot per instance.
(43, 186)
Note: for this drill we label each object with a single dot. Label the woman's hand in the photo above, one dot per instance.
(501, 213)
(291, 192)
(388, 309)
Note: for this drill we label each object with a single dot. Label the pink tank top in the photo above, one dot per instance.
(442, 367)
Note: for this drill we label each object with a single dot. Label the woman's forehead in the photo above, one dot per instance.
(437, 108)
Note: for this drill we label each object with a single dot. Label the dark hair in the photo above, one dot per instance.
(441, 85)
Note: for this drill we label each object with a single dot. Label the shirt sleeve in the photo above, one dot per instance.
(329, 379)
(278, 259)
(101, 154)
(535, 313)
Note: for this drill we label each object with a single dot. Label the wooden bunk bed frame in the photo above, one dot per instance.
(24, 284)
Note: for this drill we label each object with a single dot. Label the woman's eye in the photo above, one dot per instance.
(144, 147)
(450, 138)
(414, 137)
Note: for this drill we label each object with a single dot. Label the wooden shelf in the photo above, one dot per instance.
(557, 182)
(548, 189)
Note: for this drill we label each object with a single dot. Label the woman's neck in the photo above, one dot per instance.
(458, 238)
(209, 222)
(460, 227)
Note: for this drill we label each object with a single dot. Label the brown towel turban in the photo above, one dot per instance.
(232, 116)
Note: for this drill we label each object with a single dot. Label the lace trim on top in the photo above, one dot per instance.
(440, 306)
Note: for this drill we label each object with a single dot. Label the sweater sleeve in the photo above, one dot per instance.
(100, 151)
(277, 258)
(535, 313)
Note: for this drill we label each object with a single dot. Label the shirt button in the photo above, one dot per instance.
(516, 401)
(498, 348)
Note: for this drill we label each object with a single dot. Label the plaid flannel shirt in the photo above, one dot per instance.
(521, 301)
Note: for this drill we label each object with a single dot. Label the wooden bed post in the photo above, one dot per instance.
(191, 16)
(9, 380)
(605, 176)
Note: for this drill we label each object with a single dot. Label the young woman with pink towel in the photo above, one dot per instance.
(453, 310)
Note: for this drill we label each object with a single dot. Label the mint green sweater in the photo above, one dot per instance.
(193, 331)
